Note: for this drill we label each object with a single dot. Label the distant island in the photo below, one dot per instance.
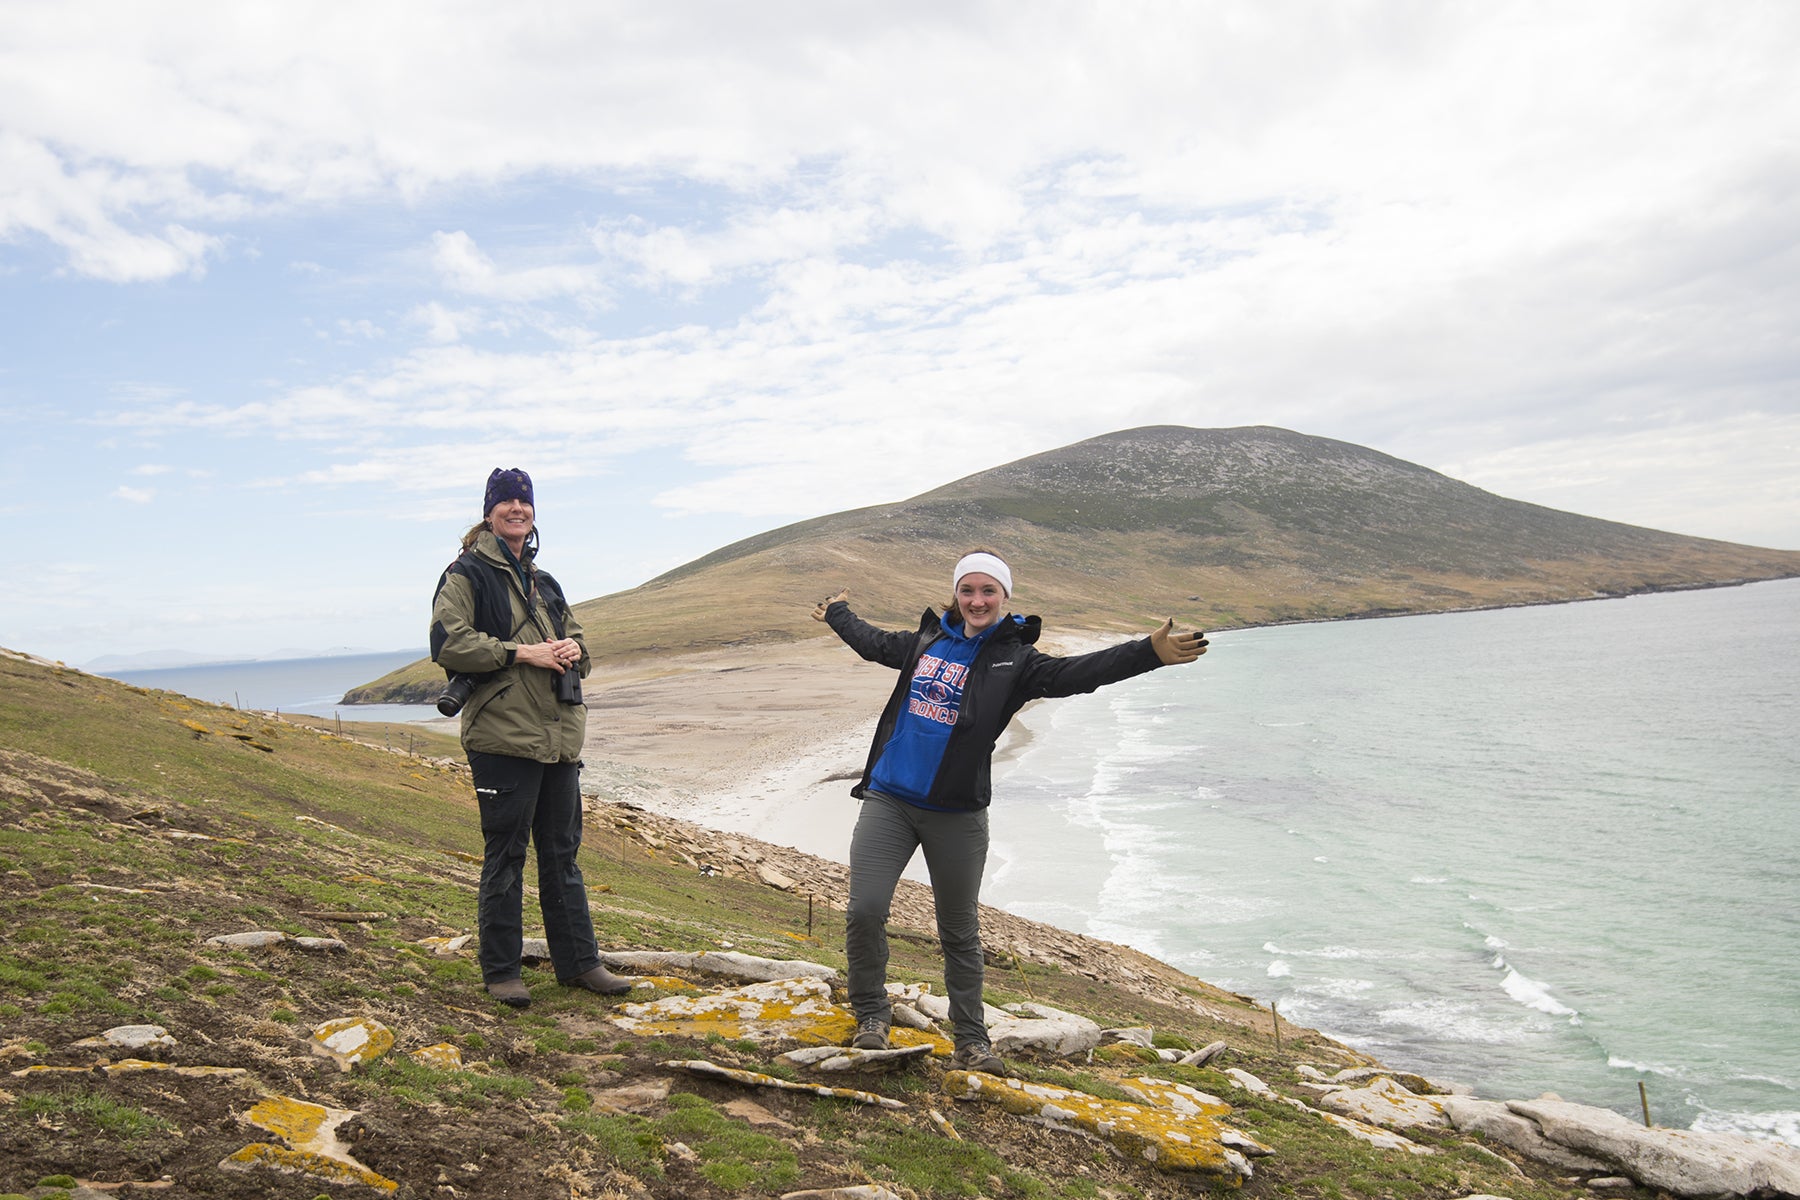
(1219, 528)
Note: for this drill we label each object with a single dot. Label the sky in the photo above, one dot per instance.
(283, 283)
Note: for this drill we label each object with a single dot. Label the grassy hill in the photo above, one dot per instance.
(1220, 528)
(135, 825)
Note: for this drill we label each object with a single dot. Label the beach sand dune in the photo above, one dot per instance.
(765, 741)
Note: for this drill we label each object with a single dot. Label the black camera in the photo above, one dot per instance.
(568, 686)
(456, 693)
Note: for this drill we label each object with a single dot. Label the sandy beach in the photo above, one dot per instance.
(764, 741)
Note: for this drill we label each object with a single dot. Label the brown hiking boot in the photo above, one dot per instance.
(871, 1034)
(598, 979)
(510, 992)
(978, 1056)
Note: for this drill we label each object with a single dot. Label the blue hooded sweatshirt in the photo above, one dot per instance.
(909, 761)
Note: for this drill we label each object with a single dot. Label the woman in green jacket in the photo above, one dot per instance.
(503, 628)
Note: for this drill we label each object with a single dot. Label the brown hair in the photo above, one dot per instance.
(480, 527)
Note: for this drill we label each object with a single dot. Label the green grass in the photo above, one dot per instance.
(95, 1112)
(102, 774)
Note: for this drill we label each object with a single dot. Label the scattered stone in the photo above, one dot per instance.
(446, 945)
(633, 1097)
(943, 1125)
(351, 1041)
(909, 1017)
(1381, 1139)
(254, 940)
(1387, 1104)
(131, 1037)
(775, 879)
(313, 1148)
(443, 1057)
(752, 1113)
(1202, 1056)
(1611, 1183)
(1249, 1082)
(755, 1079)
(345, 918)
(1168, 1140)
(262, 938)
(1418, 1085)
(129, 1065)
(1136, 1035)
(862, 1191)
(1040, 1027)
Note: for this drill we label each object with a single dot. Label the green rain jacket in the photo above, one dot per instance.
(514, 710)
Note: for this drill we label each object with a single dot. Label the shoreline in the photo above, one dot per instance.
(768, 742)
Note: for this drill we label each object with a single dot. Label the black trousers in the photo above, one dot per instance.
(531, 802)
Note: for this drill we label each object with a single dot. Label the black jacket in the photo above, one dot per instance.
(1008, 672)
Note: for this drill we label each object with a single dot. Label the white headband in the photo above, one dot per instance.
(987, 564)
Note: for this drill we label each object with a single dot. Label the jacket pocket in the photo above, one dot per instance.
(478, 702)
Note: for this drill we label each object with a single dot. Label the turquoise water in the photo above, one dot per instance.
(1541, 849)
(314, 686)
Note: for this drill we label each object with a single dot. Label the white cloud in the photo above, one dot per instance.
(464, 268)
(134, 495)
(745, 264)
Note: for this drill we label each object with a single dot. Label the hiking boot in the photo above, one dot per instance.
(871, 1034)
(598, 979)
(978, 1056)
(510, 992)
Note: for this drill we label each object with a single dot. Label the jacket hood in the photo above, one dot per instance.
(1011, 627)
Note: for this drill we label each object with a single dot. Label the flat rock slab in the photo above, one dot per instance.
(313, 1149)
(1682, 1162)
(757, 1079)
(1168, 1138)
(847, 1058)
(131, 1037)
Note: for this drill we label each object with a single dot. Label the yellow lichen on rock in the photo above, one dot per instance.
(442, 1056)
(308, 1163)
(1168, 1139)
(352, 1040)
(796, 1009)
(311, 1132)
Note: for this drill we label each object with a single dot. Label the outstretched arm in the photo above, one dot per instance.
(883, 646)
(1079, 673)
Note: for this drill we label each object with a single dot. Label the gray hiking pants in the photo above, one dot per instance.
(955, 845)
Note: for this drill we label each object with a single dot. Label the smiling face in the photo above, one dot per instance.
(511, 522)
(981, 601)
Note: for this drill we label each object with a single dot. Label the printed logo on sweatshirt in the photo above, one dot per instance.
(937, 688)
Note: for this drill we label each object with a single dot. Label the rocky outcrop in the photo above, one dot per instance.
(1682, 1162)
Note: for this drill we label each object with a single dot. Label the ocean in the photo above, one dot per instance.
(1539, 849)
(314, 686)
